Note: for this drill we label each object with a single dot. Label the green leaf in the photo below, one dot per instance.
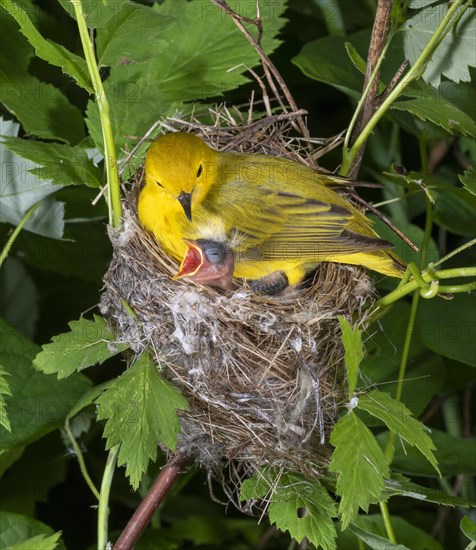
(117, 41)
(304, 509)
(454, 55)
(17, 529)
(97, 14)
(402, 487)
(20, 190)
(361, 466)
(440, 112)
(448, 327)
(39, 404)
(468, 528)
(354, 352)
(371, 530)
(70, 63)
(40, 542)
(43, 109)
(374, 540)
(141, 410)
(46, 462)
(454, 209)
(400, 421)
(357, 60)
(454, 455)
(57, 163)
(4, 390)
(18, 297)
(84, 255)
(205, 56)
(326, 60)
(88, 343)
(406, 533)
(468, 179)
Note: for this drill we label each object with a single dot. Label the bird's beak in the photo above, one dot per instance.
(185, 199)
(192, 261)
(199, 268)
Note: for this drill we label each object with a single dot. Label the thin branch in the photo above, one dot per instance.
(269, 68)
(149, 505)
(377, 44)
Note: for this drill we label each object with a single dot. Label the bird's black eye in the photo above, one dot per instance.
(159, 184)
(200, 169)
(215, 252)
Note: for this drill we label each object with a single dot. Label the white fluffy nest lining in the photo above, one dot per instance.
(264, 376)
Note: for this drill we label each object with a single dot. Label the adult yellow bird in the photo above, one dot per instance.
(280, 218)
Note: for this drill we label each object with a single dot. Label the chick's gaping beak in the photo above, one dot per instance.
(185, 199)
(192, 261)
(208, 263)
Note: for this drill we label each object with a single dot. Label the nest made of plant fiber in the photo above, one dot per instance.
(263, 375)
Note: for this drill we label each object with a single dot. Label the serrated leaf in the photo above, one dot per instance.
(88, 343)
(16, 529)
(402, 487)
(42, 108)
(39, 403)
(454, 455)
(468, 528)
(468, 179)
(70, 63)
(57, 163)
(20, 190)
(454, 55)
(400, 421)
(40, 542)
(440, 112)
(205, 56)
(141, 410)
(117, 42)
(4, 390)
(354, 352)
(361, 465)
(258, 485)
(305, 510)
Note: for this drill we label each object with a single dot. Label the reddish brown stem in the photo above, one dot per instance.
(380, 30)
(149, 505)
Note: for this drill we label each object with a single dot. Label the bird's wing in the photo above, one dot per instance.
(290, 226)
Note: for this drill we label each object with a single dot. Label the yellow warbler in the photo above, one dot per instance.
(277, 216)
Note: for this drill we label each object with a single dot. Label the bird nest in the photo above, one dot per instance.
(263, 376)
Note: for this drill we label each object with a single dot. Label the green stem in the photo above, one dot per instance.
(390, 446)
(16, 232)
(79, 456)
(360, 104)
(415, 72)
(112, 174)
(103, 508)
(387, 522)
(427, 276)
(469, 244)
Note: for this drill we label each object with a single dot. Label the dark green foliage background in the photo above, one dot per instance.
(173, 58)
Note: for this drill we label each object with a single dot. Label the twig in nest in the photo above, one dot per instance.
(149, 505)
(268, 66)
(386, 221)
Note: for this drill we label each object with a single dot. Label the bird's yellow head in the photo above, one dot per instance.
(181, 164)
